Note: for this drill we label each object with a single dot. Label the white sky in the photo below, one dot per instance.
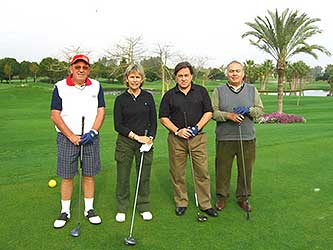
(34, 29)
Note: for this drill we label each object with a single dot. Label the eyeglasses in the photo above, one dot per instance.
(78, 67)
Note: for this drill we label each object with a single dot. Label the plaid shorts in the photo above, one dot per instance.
(69, 155)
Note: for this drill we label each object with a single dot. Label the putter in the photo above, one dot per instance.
(76, 231)
(200, 216)
(130, 240)
(244, 173)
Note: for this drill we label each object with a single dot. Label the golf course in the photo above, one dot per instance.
(291, 197)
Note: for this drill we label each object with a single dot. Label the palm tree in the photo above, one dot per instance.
(283, 36)
(251, 71)
(266, 70)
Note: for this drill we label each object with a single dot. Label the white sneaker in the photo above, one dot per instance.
(61, 220)
(120, 217)
(93, 217)
(147, 215)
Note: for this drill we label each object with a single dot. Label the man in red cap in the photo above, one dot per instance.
(73, 98)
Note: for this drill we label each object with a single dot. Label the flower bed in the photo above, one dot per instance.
(280, 118)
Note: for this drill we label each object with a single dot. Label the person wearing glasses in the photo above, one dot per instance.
(73, 98)
(236, 104)
(184, 111)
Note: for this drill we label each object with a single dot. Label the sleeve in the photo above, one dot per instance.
(164, 110)
(101, 101)
(218, 115)
(207, 105)
(258, 109)
(118, 117)
(153, 117)
(56, 102)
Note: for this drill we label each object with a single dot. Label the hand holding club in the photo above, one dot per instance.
(146, 147)
(194, 130)
(88, 137)
(243, 110)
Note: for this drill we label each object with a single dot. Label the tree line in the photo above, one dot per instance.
(281, 35)
(111, 71)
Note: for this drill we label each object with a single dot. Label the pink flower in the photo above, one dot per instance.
(280, 118)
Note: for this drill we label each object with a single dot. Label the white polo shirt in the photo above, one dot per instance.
(74, 102)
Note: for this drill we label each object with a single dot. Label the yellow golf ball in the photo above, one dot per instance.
(52, 183)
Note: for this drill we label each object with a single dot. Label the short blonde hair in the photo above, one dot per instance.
(134, 68)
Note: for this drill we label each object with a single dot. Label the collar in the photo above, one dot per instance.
(236, 89)
(192, 87)
(70, 82)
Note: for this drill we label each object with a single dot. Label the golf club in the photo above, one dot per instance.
(200, 216)
(130, 240)
(244, 173)
(76, 231)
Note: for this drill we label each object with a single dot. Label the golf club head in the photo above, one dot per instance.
(76, 231)
(201, 218)
(247, 215)
(129, 241)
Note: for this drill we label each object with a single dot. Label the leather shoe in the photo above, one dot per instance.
(211, 212)
(220, 204)
(244, 206)
(180, 210)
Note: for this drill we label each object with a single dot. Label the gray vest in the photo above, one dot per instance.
(228, 131)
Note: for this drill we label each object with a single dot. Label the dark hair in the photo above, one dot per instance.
(183, 65)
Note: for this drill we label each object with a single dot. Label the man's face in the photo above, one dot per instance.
(235, 74)
(80, 71)
(184, 78)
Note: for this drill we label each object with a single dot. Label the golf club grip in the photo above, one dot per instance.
(81, 147)
(82, 125)
(185, 119)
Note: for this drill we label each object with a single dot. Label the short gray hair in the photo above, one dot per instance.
(232, 62)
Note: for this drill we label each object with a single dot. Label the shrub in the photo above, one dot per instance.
(280, 118)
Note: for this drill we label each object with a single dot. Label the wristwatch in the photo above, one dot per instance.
(176, 133)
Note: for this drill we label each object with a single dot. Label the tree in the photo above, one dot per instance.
(217, 74)
(53, 69)
(151, 66)
(202, 72)
(34, 69)
(283, 36)
(105, 68)
(265, 71)
(71, 51)
(131, 50)
(328, 72)
(296, 74)
(9, 67)
(250, 71)
(8, 70)
(24, 70)
(164, 55)
(317, 73)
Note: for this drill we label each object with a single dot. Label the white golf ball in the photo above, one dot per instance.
(317, 189)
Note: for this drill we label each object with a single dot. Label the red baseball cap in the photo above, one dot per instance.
(80, 57)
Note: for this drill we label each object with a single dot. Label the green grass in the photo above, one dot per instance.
(292, 160)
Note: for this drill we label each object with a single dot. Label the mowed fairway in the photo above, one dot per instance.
(292, 160)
